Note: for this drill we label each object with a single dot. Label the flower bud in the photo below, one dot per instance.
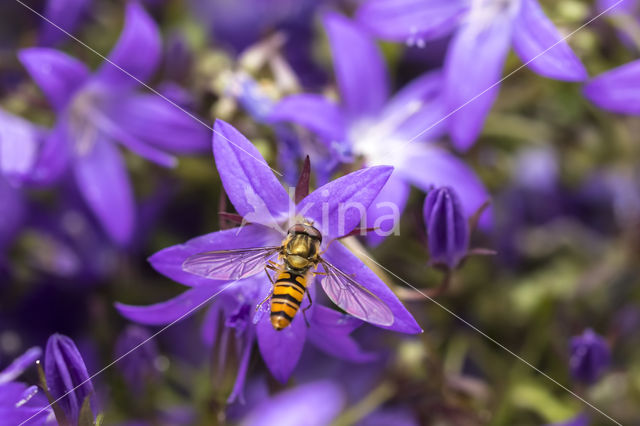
(138, 366)
(64, 371)
(447, 228)
(590, 356)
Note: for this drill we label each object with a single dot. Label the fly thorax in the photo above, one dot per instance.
(484, 12)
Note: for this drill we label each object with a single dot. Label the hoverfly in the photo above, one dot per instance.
(299, 257)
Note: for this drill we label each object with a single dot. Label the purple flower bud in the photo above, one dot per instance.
(138, 366)
(590, 356)
(64, 371)
(447, 228)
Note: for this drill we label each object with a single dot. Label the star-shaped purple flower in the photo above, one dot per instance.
(259, 197)
(484, 32)
(96, 110)
(369, 125)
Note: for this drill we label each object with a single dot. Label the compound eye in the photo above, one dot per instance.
(297, 229)
(314, 233)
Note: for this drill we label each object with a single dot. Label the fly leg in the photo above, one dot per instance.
(273, 284)
(304, 310)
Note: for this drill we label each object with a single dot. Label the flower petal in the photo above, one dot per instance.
(58, 74)
(470, 94)
(55, 155)
(432, 166)
(19, 144)
(20, 364)
(169, 261)
(169, 311)
(330, 333)
(338, 207)
(64, 14)
(102, 178)
(617, 90)
(406, 20)
(161, 124)
(385, 210)
(360, 70)
(533, 37)
(315, 112)
(281, 350)
(137, 52)
(342, 258)
(248, 180)
(312, 404)
(413, 112)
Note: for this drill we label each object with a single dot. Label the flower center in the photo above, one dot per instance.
(82, 113)
(484, 12)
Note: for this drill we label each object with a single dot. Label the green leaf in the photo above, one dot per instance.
(86, 416)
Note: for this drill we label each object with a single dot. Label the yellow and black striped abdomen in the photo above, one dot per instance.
(286, 299)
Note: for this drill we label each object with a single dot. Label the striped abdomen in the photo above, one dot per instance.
(287, 297)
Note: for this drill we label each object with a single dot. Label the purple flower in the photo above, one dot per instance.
(65, 14)
(579, 420)
(258, 196)
(315, 403)
(367, 125)
(96, 110)
(590, 356)
(138, 366)
(64, 371)
(20, 141)
(617, 90)
(19, 402)
(447, 228)
(483, 29)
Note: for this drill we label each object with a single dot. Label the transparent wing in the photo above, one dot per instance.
(345, 292)
(229, 264)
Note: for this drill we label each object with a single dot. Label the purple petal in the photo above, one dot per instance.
(313, 404)
(65, 370)
(338, 207)
(343, 259)
(58, 74)
(407, 20)
(330, 333)
(470, 94)
(169, 261)
(414, 110)
(102, 178)
(210, 324)
(171, 310)
(314, 112)
(533, 37)
(432, 166)
(385, 210)
(55, 155)
(360, 70)
(19, 144)
(617, 6)
(137, 52)
(617, 90)
(281, 350)
(161, 124)
(248, 180)
(64, 14)
(447, 227)
(237, 393)
(20, 364)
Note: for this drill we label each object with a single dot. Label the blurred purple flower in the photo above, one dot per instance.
(19, 402)
(95, 110)
(579, 420)
(20, 141)
(65, 370)
(12, 211)
(367, 124)
(137, 367)
(65, 14)
(312, 404)
(258, 196)
(483, 29)
(617, 90)
(590, 356)
(447, 228)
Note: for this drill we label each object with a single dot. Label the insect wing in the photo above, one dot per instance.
(229, 264)
(352, 297)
